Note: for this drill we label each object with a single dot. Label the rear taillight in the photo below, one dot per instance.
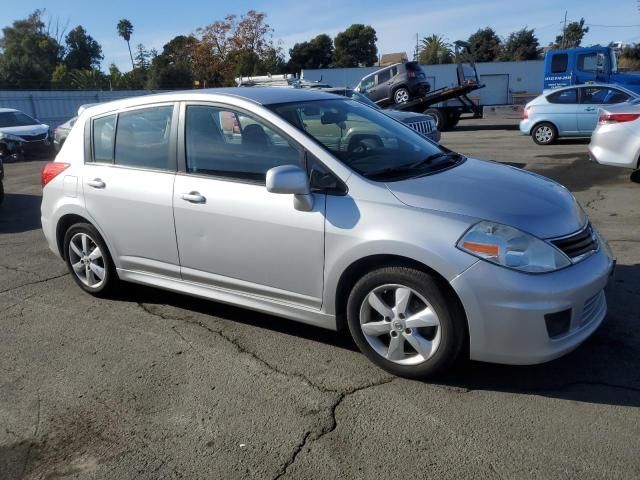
(606, 118)
(51, 171)
(525, 113)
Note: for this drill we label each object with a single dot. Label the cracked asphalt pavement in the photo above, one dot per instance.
(151, 384)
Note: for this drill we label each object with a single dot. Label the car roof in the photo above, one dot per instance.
(607, 85)
(258, 95)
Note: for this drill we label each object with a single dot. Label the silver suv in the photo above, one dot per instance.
(261, 197)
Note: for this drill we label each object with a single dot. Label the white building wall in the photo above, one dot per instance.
(503, 79)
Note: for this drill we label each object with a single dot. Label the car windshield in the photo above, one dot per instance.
(367, 140)
(16, 119)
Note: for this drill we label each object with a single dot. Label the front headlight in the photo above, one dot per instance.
(511, 248)
(8, 136)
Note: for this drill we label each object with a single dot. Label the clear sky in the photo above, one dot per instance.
(396, 21)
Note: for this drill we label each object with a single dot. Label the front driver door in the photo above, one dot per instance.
(232, 233)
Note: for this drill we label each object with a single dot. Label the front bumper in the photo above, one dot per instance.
(506, 309)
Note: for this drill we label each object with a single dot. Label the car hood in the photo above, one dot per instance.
(26, 130)
(500, 193)
(408, 117)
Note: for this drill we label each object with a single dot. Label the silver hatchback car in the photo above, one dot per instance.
(320, 209)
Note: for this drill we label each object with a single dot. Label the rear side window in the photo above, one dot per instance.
(384, 76)
(103, 135)
(142, 138)
(564, 96)
(559, 63)
(602, 96)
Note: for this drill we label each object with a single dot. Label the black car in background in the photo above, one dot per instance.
(395, 84)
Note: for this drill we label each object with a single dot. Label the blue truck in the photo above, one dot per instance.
(586, 65)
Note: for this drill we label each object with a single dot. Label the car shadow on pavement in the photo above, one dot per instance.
(603, 370)
(19, 213)
(474, 128)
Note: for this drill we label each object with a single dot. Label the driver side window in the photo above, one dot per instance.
(226, 143)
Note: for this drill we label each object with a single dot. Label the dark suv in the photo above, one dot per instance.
(397, 83)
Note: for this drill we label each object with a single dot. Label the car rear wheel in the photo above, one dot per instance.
(88, 260)
(401, 95)
(403, 322)
(544, 133)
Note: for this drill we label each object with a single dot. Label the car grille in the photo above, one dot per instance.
(423, 127)
(593, 308)
(578, 245)
(34, 138)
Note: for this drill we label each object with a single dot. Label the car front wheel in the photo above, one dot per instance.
(88, 259)
(544, 134)
(402, 321)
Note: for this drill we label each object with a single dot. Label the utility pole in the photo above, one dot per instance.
(564, 29)
(417, 55)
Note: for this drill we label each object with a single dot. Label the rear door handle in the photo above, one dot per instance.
(193, 197)
(590, 109)
(96, 183)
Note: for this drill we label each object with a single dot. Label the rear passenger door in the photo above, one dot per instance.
(381, 90)
(128, 186)
(591, 98)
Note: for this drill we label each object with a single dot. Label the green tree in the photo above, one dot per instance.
(521, 45)
(485, 45)
(125, 30)
(356, 47)
(435, 50)
(630, 58)
(173, 68)
(29, 54)
(316, 53)
(572, 35)
(82, 52)
(89, 79)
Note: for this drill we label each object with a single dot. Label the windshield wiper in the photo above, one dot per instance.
(411, 167)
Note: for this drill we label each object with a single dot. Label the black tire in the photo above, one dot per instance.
(110, 279)
(401, 95)
(544, 133)
(634, 177)
(452, 324)
(441, 119)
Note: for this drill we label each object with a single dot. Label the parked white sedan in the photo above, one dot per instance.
(616, 139)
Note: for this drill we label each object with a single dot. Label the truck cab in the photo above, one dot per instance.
(585, 65)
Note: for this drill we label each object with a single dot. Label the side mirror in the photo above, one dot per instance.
(292, 180)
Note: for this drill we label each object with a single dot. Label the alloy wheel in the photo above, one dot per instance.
(400, 324)
(87, 260)
(401, 96)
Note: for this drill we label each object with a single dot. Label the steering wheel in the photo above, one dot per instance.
(360, 144)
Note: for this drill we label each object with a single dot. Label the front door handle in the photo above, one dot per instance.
(589, 109)
(96, 183)
(193, 197)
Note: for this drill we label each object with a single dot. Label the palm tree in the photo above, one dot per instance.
(125, 29)
(435, 50)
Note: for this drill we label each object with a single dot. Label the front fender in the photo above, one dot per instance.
(355, 232)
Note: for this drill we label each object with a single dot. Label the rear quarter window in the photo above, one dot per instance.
(103, 134)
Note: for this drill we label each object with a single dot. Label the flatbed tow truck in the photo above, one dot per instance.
(447, 104)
